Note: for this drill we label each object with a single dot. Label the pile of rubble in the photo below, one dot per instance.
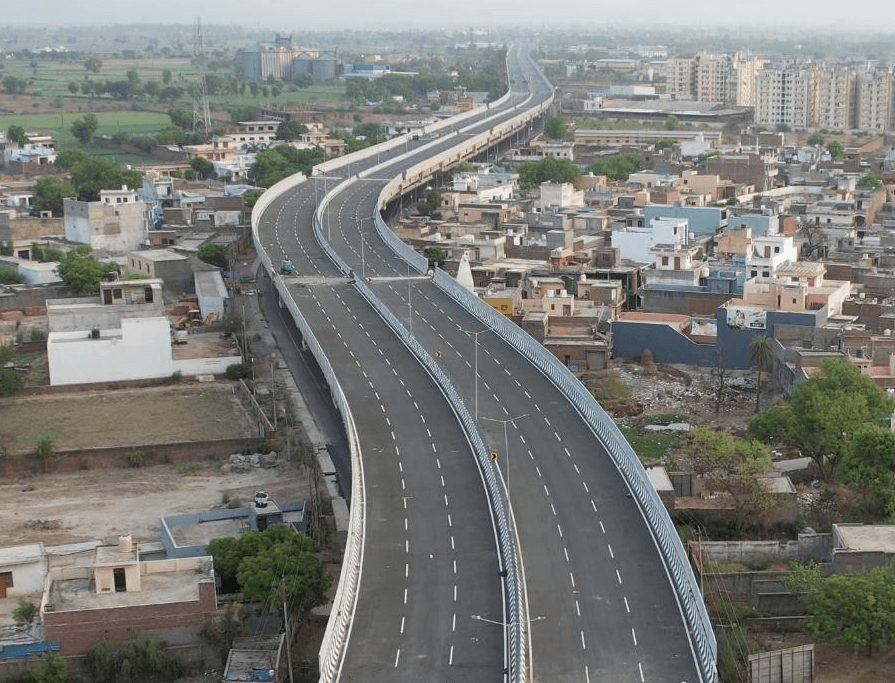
(239, 462)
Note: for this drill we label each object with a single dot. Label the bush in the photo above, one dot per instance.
(11, 276)
(26, 611)
(760, 563)
(134, 457)
(237, 371)
(215, 254)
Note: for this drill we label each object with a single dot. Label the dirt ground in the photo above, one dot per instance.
(186, 411)
(104, 504)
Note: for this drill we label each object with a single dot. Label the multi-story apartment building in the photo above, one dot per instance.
(787, 94)
(714, 77)
(835, 97)
(874, 94)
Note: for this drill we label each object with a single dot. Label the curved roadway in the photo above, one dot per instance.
(600, 603)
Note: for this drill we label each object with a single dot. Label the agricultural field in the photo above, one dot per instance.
(51, 80)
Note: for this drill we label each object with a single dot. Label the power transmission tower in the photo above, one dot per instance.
(201, 112)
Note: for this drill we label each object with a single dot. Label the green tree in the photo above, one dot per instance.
(251, 196)
(761, 350)
(180, 117)
(869, 467)
(93, 64)
(854, 609)
(244, 113)
(825, 413)
(84, 127)
(801, 577)
(548, 169)
(816, 139)
(835, 149)
(464, 167)
(555, 127)
(90, 174)
(213, 253)
(202, 166)
(16, 134)
(50, 668)
(67, 158)
(49, 191)
(272, 165)
(290, 130)
(732, 465)
(14, 85)
(871, 181)
(80, 271)
(430, 205)
(672, 123)
(264, 562)
(166, 76)
(617, 166)
(73, 88)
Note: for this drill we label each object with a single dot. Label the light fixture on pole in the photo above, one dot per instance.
(476, 367)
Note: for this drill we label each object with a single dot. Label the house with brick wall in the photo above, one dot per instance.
(111, 593)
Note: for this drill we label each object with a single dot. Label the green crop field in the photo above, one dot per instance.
(110, 122)
(51, 79)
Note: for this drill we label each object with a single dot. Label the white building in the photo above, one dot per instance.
(634, 243)
(786, 95)
(874, 93)
(560, 195)
(139, 348)
(835, 97)
(116, 224)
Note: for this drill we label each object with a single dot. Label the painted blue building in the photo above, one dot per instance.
(703, 220)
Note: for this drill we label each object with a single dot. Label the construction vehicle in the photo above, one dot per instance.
(194, 318)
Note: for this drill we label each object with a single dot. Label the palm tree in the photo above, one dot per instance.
(761, 349)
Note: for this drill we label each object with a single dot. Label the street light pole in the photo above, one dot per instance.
(476, 369)
(506, 451)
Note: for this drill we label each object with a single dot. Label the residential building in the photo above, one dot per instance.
(110, 593)
(634, 243)
(123, 335)
(116, 224)
(835, 97)
(714, 77)
(874, 99)
(787, 95)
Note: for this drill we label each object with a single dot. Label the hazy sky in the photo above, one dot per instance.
(397, 14)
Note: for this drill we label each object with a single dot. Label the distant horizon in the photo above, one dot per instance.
(799, 16)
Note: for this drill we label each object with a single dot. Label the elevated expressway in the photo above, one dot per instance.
(437, 595)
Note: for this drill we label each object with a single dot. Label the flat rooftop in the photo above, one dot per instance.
(72, 595)
(867, 537)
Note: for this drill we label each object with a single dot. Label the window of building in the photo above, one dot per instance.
(664, 260)
(116, 293)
